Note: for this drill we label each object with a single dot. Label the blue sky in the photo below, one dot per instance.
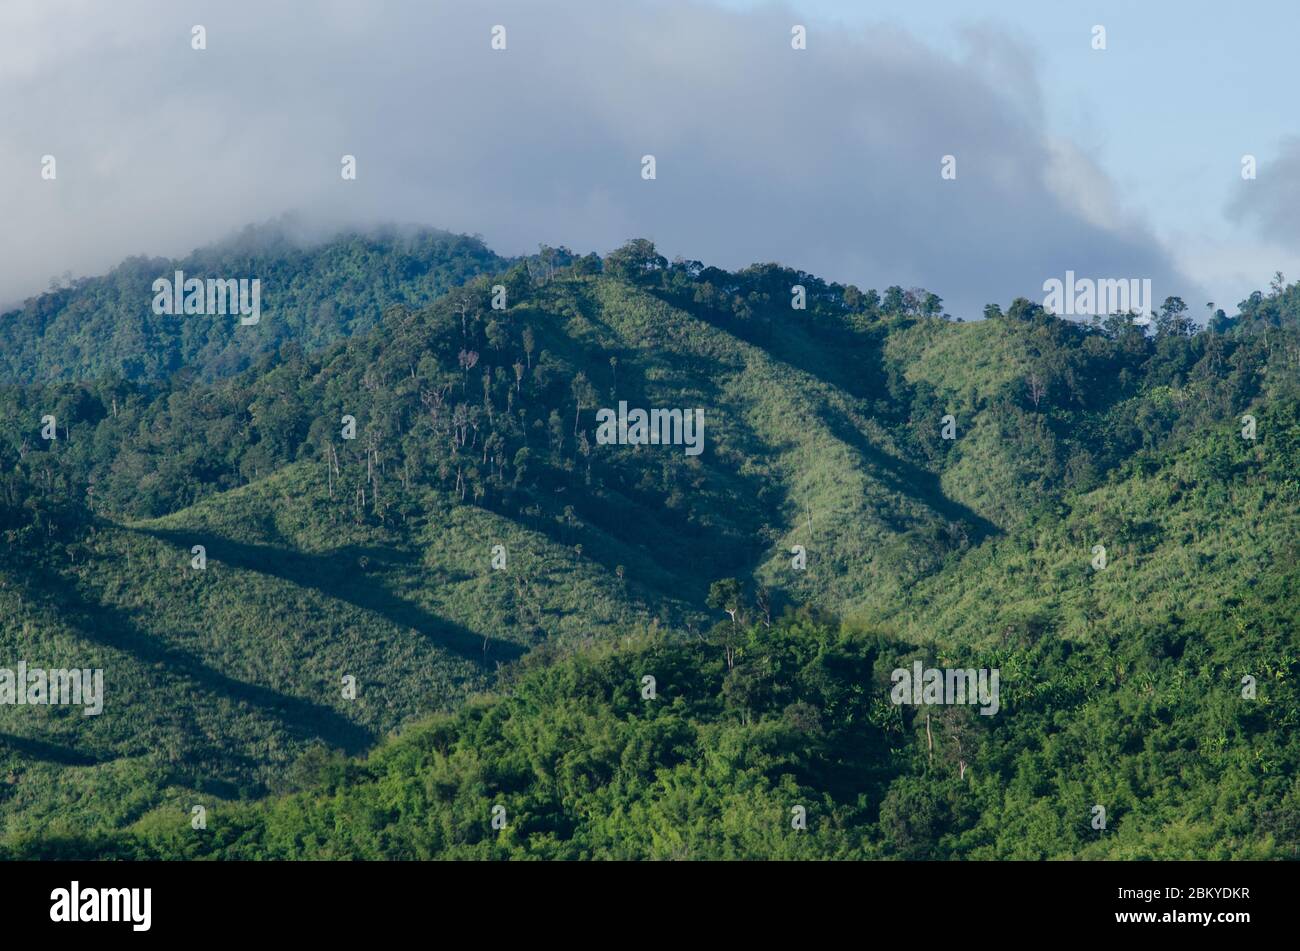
(1183, 90)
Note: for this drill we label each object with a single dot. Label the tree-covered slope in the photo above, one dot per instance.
(312, 292)
(575, 760)
(471, 534)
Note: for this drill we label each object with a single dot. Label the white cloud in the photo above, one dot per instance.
(826, 159)
(1269, 201)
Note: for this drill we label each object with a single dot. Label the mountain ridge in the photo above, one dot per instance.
(373, 557)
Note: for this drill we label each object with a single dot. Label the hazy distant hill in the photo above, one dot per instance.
(311, 292)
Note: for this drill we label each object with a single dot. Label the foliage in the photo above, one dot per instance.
(475, 428)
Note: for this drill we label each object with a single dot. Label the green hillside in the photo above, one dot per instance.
(311, 292)
(520, 683)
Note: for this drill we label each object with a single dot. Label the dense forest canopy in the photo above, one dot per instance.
(514, 679)
(317, 292)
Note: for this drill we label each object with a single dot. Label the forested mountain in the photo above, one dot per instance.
(315, 293)
(826, 534)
